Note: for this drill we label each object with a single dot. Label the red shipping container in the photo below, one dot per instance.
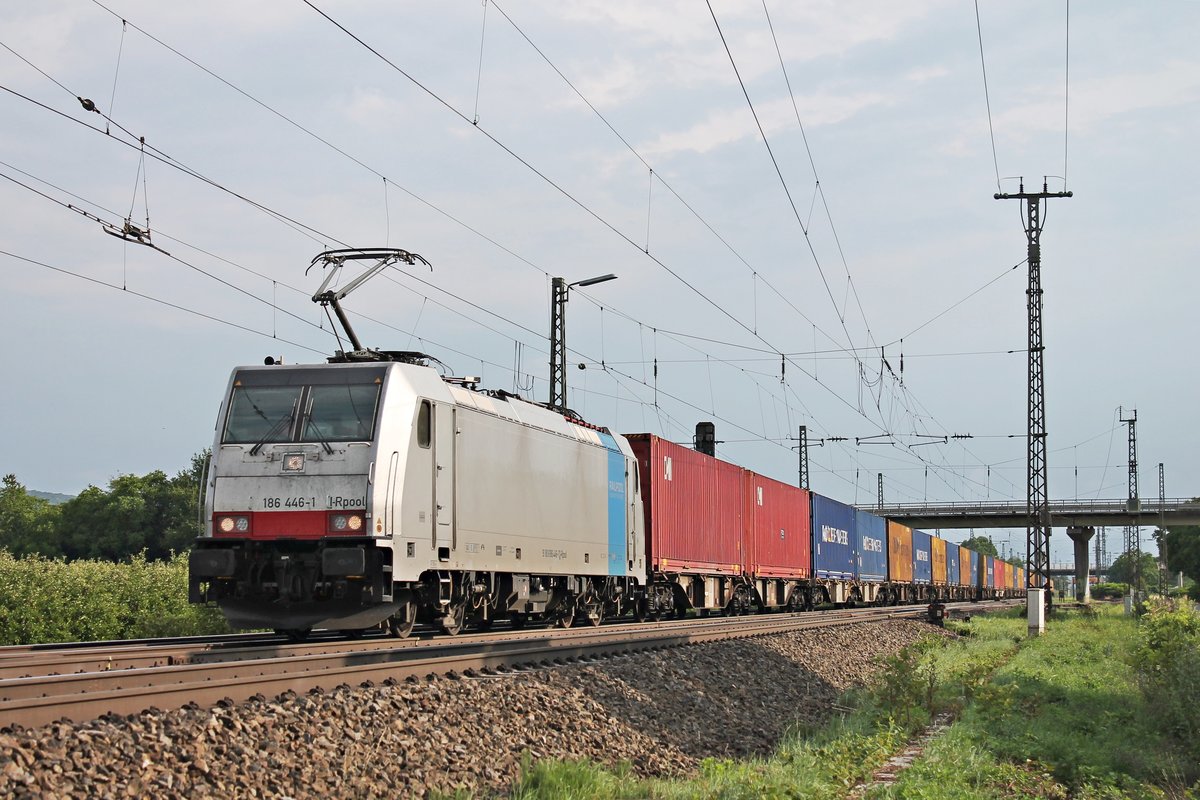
(694, 505)
(780, 528)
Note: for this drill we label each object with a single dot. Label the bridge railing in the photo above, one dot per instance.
(1145, 506)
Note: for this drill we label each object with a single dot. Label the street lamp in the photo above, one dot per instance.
(560, 293)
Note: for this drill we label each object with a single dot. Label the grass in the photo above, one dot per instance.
(1064, 715)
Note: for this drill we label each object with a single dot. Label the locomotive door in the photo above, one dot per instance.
(443, 485)
(391, 501)
(631, 493)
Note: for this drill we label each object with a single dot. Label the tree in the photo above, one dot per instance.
(982, 545)
(1123, 570)
(27, 523)
(1182, 544)
(150, 512)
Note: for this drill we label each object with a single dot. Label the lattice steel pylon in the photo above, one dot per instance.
(558, 343)
(1163, 569)
(1133, 545)
(1038, 504)
(803, 449)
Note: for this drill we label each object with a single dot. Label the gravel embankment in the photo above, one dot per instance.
(661, 712)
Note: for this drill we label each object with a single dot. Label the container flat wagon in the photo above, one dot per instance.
(695, 529)
(779, 542)
(834, 538)
(871, 558)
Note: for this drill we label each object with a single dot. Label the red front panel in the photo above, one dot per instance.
(693, 506)
(284, 525)
(779, 526)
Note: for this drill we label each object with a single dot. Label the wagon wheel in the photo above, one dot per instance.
(296, 635)
(452, 621)
(401, 623)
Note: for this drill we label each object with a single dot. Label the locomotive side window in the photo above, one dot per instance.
(423, 426)
(262, 414)
(341, 413)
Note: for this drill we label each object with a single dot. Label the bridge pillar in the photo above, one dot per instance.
(1081, 535)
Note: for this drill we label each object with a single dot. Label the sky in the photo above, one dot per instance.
(850, 272)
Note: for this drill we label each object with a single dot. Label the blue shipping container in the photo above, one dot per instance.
(834, 539)
(991, 570)
(974, 569)
(922, 561)
(872, 547)
(953, 577)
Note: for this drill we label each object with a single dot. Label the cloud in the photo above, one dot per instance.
(728, 126)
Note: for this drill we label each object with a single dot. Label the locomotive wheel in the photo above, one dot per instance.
(517, 619)
(593, 612)
(565, 617)
(452, 622)
(401, 623)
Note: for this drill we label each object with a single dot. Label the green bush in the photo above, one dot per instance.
(1167, 663)
(51, 600)
(1110, 591)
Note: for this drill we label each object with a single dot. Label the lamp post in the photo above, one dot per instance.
(561, 292)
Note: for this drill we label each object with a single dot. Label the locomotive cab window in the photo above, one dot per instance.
(303, 405)
(341, 413)
(262, 414)
(424, 414)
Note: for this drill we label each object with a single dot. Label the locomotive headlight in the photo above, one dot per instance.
(293, 462)
(234, 523)
(345, 523)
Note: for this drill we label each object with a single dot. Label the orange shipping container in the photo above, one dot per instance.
(900, 555)
(964, 567)
(938, 548)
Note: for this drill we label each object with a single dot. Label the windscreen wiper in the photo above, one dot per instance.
(321, 437)
(278, 426)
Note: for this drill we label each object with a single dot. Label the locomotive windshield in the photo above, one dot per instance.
(305, 405)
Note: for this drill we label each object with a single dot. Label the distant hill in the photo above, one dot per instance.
(54, 498)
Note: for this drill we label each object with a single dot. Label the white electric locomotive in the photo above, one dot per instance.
(372, 490)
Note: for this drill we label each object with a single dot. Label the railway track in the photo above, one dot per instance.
(82, 681)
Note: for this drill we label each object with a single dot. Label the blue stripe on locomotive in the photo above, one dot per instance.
(617, 551)
(872, 547)
(834, 539)
(922, 557)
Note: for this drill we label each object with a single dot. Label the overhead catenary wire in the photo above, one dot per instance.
(385, 179)
(358, 161)
(986, 97)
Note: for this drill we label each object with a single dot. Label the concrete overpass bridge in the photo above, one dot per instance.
(1063, 513)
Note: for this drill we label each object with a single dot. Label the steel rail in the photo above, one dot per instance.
(75, 657)
(37, 701)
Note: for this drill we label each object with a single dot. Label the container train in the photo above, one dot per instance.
(373, 491)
